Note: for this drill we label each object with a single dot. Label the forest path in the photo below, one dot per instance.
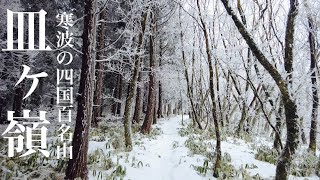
(165, 157)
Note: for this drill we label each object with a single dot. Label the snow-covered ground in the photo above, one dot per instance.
(166, 161)
(165, 156)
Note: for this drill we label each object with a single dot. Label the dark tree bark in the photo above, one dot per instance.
(146, 126)
(116, 106)
(315, 96)
(119, 94)
(292, 122)
(97, 99)
(17, 101)
(77, 167)
(155, 97)
(139, 101)
(1, 107)
(159, 111)
(155, 111)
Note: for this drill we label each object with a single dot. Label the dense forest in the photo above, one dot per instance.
(159, 89)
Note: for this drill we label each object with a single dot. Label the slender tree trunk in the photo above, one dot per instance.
(244, 104)
(195, 116)
(243, 118)
(277, 144)
(115, 95)
(217, 165)
(116, 106)
(155, 87)
(159, 111)
(119, 95)
(218, 93)
(139, 101)
(1, 107)
(77, 167)
(97, 99)
(315, 95)
(133, 89)
(292, 121)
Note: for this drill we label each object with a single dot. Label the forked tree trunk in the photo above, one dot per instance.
(292, 121)
(77, 167)
(97, 100)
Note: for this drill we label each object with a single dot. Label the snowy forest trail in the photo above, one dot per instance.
(166, 157)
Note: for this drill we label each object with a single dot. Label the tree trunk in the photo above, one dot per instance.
(146, 126)
(119, 95)
(315, 96)
(139, 101)
(277, 141)
(159, 111)
(77, 167)
(155, 113)
(292, 122)
(1, 108)
(17, 101)
(155, 87)
(212, 95)
(195, 116)
(97, 100)
(242, 119)
(115, 96)
(133, 89)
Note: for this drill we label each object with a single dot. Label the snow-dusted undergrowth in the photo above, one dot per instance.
(171, 152)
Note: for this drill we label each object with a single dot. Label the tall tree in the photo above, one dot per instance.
(315, 95)
(77, 167)
(290, 107)
(212, 94)
(146, 126)
(133, 86)
(97, 100)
